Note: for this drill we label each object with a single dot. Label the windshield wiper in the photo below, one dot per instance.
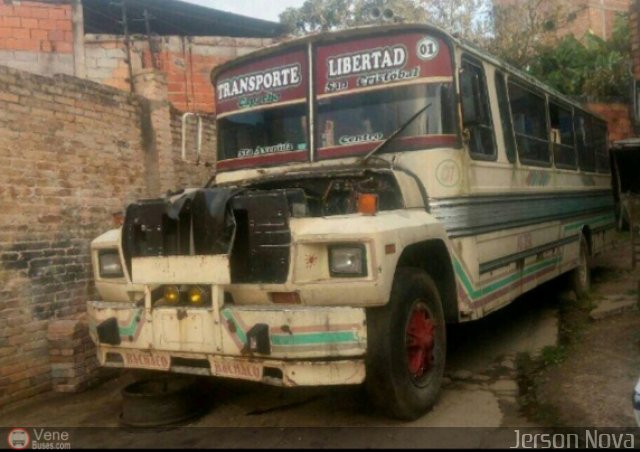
(397, 132)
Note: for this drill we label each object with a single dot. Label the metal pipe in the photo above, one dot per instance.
(127, 42)
(147, 27)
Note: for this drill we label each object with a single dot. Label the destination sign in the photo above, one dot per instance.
(261, 83)
(386, 60)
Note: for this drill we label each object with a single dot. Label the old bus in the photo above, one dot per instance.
(372, 186)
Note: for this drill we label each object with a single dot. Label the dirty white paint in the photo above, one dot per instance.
(211, 269)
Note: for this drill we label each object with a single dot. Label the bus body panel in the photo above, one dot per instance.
(507, 226)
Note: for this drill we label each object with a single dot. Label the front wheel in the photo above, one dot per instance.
(406, 347)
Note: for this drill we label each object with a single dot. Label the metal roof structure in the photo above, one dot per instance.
(172, 17)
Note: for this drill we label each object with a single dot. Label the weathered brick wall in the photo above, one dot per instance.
(579, 17)
(618, 116)
(187, 61)
(634, 29)
(71, 154)
(37, 36)
(188, 174)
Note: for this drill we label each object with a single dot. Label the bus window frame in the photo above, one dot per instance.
(586, 115)
(511, 158)
(466, 58)
(571, 109)
(543, 95)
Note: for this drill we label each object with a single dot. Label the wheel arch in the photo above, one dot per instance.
(433, 257)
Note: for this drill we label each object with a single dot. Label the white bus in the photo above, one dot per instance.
(372, 185)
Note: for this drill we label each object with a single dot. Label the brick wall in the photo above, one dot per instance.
(71, 154)
(190, 174)
(618, 116)
(579, 17)
(591, 16)
(634, 27)
(37, 36)
(187, 61)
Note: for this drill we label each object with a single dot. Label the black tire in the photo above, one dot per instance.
(581, 275)
(400, 380)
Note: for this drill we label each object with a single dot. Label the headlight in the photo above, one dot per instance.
(347, 260)
(109, 262)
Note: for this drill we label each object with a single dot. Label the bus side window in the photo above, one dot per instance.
(476, 113)
(562, 140)
(529, 112)
(505, 117)
(584, 135)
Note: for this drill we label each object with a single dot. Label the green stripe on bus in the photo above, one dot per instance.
(320, 337)
(229, 316)
(603, 219)
(478, 293)
(130, 329)
(314, 338)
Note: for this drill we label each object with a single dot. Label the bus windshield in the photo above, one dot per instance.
(355, 92)
(269, 131)
(353, 120)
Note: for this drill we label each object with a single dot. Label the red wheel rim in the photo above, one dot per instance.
(420, 341)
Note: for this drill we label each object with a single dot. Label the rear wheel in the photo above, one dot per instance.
(581, 275)
(406, 347)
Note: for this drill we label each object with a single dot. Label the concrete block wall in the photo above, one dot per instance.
(71, 153)
(37, 36)
(105, 60)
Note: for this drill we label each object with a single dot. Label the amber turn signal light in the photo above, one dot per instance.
(196, 295)
(171, 294)
(367, 203)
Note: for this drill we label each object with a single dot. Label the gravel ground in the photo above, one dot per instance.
(600, 364)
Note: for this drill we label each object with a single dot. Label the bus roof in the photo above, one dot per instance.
(366, 30)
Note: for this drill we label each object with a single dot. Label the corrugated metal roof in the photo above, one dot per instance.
(173, 17)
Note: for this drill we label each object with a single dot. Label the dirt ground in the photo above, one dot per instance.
(589, 378)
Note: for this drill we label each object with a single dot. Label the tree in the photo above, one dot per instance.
(324, 15)
(317, 15)
(521, 27)
(467, 19)
(594, 67)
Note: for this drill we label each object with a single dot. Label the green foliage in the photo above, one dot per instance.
(523, 35)
(316, 15)
(324, 15)
(594, 67)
